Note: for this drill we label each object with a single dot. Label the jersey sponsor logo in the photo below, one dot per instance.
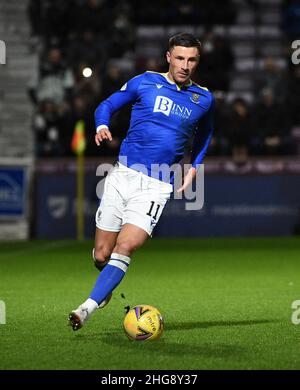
(167, 106)
(163, 105)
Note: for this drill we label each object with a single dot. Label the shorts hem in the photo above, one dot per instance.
(108, 229)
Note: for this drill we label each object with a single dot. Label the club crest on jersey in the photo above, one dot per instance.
(195, 98)
(166, 106)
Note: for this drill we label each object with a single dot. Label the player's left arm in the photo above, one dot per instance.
(201, 142)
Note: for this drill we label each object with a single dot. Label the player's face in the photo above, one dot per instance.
(182, 63)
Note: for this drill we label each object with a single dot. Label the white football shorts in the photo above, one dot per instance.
(131, 197)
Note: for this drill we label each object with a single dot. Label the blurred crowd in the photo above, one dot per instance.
(82, 45)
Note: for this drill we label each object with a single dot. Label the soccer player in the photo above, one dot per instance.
(168, 110)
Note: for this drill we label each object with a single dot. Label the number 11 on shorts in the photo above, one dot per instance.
(152, 208)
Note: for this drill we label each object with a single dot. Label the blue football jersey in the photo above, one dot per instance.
(164, 117)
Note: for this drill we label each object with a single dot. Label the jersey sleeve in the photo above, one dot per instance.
(203, 136)
(127, 94)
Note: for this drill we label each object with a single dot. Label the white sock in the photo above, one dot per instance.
(90, 305)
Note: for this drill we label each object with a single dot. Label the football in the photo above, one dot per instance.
(143, 322)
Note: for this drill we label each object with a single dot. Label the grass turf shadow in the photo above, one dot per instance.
(117, 339)
(210, 324)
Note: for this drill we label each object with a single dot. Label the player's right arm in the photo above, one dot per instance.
(127, 94)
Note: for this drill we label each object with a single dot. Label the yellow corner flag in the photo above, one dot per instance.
(78, 145)
(78, 140)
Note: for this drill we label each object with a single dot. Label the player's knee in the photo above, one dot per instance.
(101, 254)
(126, 247)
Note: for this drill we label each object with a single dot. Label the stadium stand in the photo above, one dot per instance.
(245, 55)
(246, 62)
(16, 110)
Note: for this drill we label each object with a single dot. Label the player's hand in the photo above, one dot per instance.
(188, 179)
(102, 135)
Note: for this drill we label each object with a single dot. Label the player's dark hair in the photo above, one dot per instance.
(185, 40)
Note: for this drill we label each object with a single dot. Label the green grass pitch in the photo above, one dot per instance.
(226, 305)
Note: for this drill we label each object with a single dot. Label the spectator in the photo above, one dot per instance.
(220, 144)
(112, 80)
(94, 15)
(293, 95)
(87, 86)
(240, 129)
(150, 64)
(216, 62)
(89, 49)
(273, 127)
(50, 19)
(48, 131)
(273, 78)
(122, 35)
(80, 110)
(54, 81)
